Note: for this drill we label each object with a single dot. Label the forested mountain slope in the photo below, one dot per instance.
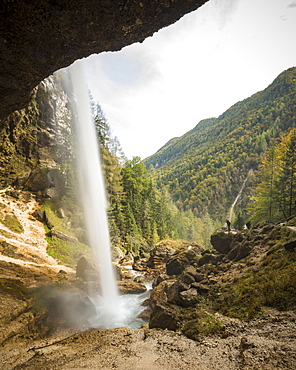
(206, 167)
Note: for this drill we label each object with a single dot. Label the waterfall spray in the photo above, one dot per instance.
(92, 191)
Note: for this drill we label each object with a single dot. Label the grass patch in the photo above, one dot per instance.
(50, 208)
(66, 252)
(12, 222)
(73, 217)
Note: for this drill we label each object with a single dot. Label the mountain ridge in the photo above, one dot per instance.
(223, 150)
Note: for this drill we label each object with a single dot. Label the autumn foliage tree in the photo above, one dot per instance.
(275, 196)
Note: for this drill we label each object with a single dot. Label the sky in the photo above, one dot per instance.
(197, 68)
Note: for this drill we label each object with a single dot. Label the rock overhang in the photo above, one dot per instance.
(39, 37)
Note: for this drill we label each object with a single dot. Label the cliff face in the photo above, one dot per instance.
(18, 144)
(37, 37)
(36, 139)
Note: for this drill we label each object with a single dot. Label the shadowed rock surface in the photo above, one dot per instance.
(38, 37)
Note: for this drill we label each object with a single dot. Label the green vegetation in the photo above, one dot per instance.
(70, 249)
(270, 284)
(139, 214)
(6, 234)
(193, 180)
(65, 251)
(205, 168)
(275, 196)
(201, 323)
(12, 222)
(18, 144)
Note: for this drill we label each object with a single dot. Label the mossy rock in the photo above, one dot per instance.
(203, 324)
(182, 258)
(222, 241)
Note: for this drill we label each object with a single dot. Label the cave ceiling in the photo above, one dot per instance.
(39, 37)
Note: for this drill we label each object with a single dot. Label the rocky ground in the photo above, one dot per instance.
(32, 339)
(26, 248)
(267, 344)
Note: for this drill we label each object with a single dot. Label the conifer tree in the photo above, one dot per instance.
(287, 174)
(275, 195)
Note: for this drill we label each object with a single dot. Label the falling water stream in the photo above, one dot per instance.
(238, 196)
(112, 310)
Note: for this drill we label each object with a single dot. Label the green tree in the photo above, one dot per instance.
(265, 201)
(287, 174)
(275, 195)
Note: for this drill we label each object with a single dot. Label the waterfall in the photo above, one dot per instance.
(92, 191)
(238, 196)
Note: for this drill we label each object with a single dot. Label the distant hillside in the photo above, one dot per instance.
(205, 168)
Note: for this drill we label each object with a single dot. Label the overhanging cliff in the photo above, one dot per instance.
(38, 37)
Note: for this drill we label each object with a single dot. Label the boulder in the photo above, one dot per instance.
(174, 266)
(160, 278)
(209, 258)
(190, 273)
(61, 213)
(56, 234)
(47, 221)
(131, 287)
(160, 255)
(159, 293)
(52, 192)
(165, 316)
(239, 252)
(140, 279)
(39, 215)
(84, 264)
(178, 295)
(139, 266)
(200, 288)
(290, 245)
(36, 181)
(128, 259)
(173, 293)
(184, 291)
(189, 297)
(145, 314)
(221, 241)
(183, 257)
(187, 278)
(264, 226)
(146, 302)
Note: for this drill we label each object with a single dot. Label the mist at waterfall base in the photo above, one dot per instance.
(112, 310)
